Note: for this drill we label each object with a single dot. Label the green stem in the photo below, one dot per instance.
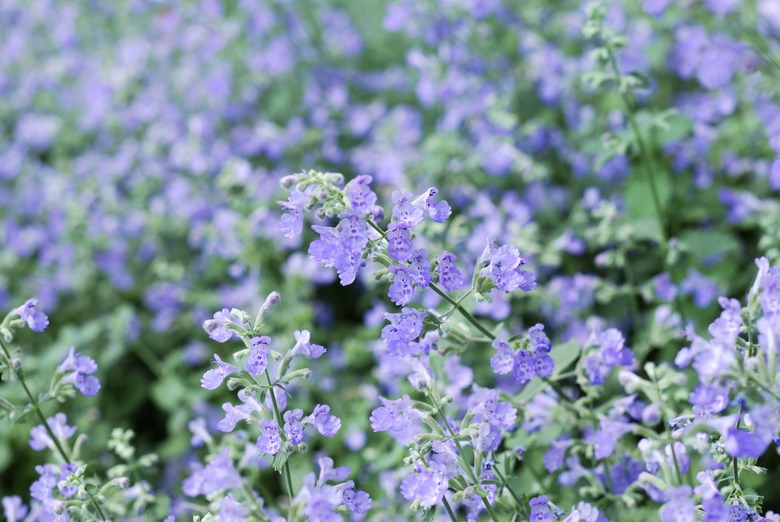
(647, 160)
(633, 297)
(648, 165)
(505, 483)
(667, 430)
(468, 469)
(462, 311)
(449, 509)
(63, 454)
(287, 474)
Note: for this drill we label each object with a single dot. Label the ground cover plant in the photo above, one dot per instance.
(389, 260)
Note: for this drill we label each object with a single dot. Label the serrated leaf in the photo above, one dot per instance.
(279, 460)
(756, 470)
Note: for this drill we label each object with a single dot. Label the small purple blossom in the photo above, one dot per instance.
(361, 198)
(293, 427)
(39, 436)
(449, 276)
(269, 442)
(504, 269)
(327, 425)
(399, 242)
(13, 509)
(36, 320)
(426, 486)
(214, 377)
(78, 368)
(257, 360)
(401, 289)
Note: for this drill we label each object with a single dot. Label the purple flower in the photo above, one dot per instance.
(218, 475)
(399, 242)
(606, 437)
(553, 458)
(420, 268)
(340, 247)
(487, 438)
(405, 213)
(449, 276)
(523, 367)
(320, 500)
(701, 287)
(330, 474)
(269, 441)
(394, 415)
(504, 270)
(328, 425)
(358, 502)
(39, 436)
(36, 320)
(722, 7)
(503, 361)
(539, 510)
(485, 402)
(744, 444)
(361, 198)
(353, 236)
(402, 330)
(219, 328)
(438, 211)
(401, 289)
(679, 505)
(291, 222)
(80, 367)
(426, 486)
(655, 7)
(233, 414)
(257, 360)
(13, 509)
(214, 377)
(709, 400)
(48, 477)
(231, 510)
(665, 288)
(293, 426)
(304, 347)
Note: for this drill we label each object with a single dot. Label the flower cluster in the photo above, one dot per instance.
(543, 236)
(264, 405)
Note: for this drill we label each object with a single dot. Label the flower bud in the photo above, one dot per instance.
(122, 482)
(288, 182)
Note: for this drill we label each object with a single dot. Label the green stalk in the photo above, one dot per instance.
(287, 474)
(63, 454)
(468, 469)
(648, 166)
(449, 509)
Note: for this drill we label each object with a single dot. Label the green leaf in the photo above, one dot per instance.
(280, 459)
(706, 243)
(756, 470)
(640, 206)
(427, 515)
(168, 392)
(563, 355)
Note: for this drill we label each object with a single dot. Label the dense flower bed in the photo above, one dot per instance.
(389, 260)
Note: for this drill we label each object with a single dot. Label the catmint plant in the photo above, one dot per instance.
(281, 430)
